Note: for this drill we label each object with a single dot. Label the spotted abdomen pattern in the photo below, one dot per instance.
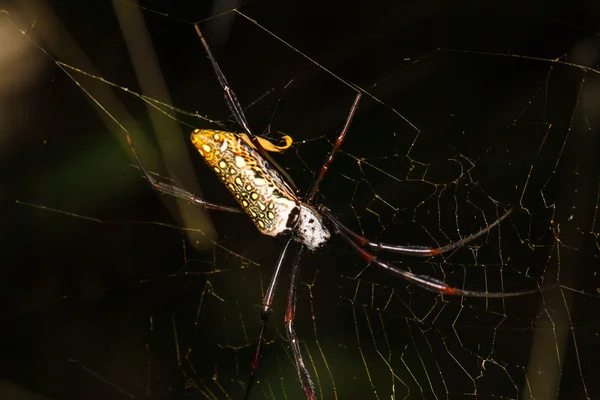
(257, 187)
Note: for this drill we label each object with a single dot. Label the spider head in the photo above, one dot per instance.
(310, 229)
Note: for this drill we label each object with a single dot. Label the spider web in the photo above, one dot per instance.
(113, 292)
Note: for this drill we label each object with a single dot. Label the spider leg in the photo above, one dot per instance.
(336, 147)
(238, 113)
(290, 314)
(417, 251)
(175, 191)
(264, 315)
(429, 283)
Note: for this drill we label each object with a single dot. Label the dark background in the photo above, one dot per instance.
(118, 295)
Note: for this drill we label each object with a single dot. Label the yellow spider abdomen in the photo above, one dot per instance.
(255, 185)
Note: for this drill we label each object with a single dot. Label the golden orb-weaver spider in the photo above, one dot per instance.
(270, 198)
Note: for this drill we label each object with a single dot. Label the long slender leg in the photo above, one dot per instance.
(175, 191)
(336, 147)
(427, 282)
(290, 314)
(238, 112)
(430, 283)
(417, 251)
(264, 314)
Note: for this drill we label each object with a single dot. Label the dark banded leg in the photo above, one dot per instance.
(430, 283)
(336, 147)
(426, 282)
(238, 113)
(175, 191)
(417, 251)
(264, 315)
(290, 314)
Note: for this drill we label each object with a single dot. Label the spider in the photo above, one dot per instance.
(268, 195)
